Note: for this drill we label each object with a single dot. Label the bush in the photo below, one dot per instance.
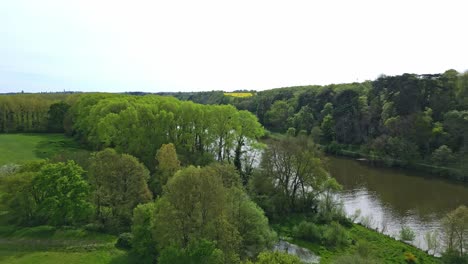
(124, 241)
(335, 235)
(410, 257)
(406, 234)
(307, 231)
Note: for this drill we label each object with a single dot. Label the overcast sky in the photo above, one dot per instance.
(223, 45)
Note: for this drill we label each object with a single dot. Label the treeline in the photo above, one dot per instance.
(139, 125)
(407, 120)
(32, 112)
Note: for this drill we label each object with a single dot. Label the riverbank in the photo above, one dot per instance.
(448, 173)
(363, 244)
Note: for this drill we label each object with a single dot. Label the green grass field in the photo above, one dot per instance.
(16, 148)
(49, 245)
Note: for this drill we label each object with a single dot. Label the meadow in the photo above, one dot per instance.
(17, 148)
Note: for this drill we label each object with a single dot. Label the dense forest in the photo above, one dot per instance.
(182, 182)
(407, 120)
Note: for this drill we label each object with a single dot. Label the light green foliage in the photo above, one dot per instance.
(167, 165)
(41, 193)
(17, 190)
(407, 234)
(442, 156)
(269, 257)
(119, 184)
(197, 205)
(140, 125)
(19, 148)
(455, 226)
(198, 252)
(61, 194)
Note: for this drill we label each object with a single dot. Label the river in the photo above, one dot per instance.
(389, 198)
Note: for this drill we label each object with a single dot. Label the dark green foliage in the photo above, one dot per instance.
(453, 257)
(119, 184)
(335, 235)
(124, 241)
(56, 115)
(308, 231)
(143, 243)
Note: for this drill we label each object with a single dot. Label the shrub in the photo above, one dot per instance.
(406, 234)
(335, 235)
(410, 257)
(124, 241)
(307, 231)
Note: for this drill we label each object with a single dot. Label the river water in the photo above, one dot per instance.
(391, 198)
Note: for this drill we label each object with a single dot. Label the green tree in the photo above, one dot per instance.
(56, 116)
(205, 204)
(295, 167)
(119, 184)
(167, 165)
(143, 243)
(442, 156)
(61, 194)
(328, 128)
(455, 226)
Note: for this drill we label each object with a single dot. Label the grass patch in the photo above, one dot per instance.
(17, 148)
(376, 246)
(47, 244)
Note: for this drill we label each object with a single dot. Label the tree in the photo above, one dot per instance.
(455, 226)
(295, 167)
(119, 184)
(328, 128)
(56, 116)
(167, 165)
(442, 156)
(61, 194)
(277, 116)
(18, 193)
(202, 204)
(143, 243)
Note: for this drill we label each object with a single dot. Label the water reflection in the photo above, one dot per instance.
(390, 198)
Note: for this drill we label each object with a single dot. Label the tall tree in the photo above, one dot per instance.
(119, 184)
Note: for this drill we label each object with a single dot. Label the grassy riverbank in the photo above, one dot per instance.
(362, 243)
(449, 173)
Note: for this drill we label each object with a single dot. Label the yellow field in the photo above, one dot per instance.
(238, 94)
